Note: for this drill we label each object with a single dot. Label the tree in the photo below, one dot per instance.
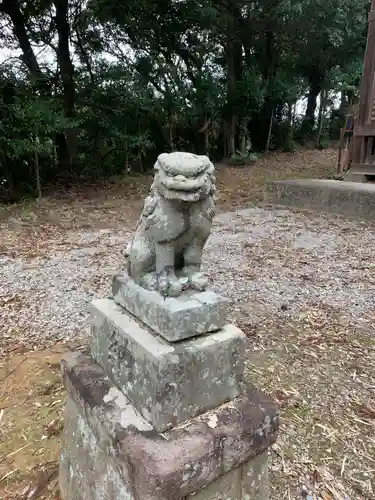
(102, 87)
(332, 37)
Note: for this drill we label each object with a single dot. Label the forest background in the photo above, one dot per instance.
(95, 89)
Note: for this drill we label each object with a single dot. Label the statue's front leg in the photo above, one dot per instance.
(169, 285)
(193, 261)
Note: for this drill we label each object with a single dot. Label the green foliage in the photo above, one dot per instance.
(28, 126)
(139, 78)
(242, 159)
(324, 143)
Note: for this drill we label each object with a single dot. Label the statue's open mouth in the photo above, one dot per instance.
(183, 184)
(180, 195)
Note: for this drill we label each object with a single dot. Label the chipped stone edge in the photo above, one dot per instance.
(183, 460)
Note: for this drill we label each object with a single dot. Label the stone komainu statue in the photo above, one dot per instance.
(166, 251)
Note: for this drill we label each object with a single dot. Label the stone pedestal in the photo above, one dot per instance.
(167, 383)
(110, 452)
(151, 419)
(191, 314)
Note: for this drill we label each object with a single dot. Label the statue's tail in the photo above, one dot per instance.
(127, 252)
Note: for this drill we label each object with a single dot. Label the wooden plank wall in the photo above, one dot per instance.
(367, 88)
(365, 122)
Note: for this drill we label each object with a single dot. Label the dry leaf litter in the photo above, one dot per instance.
(302, 287)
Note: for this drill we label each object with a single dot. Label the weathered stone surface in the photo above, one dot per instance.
(248, 482)
(254, 478)
(153, 466)
(226, 487)
(174, 226)
(167, 383)
(349, 199)
(87, 471)
(175, 319)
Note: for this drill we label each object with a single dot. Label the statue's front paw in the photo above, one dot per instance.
(196, 280)
(169, 285)
(149, 281)
(199, 282)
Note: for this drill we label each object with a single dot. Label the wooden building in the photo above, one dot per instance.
(362, 167)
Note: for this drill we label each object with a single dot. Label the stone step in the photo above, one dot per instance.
(362, 168)
(351, 176)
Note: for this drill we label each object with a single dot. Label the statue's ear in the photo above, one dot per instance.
(160, 159)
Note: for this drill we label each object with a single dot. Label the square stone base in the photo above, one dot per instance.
(191, 314)
(110, 452)
(168, 383)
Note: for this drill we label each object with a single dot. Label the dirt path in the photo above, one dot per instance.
(302, 290)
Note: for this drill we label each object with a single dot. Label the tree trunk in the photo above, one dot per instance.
(315, 87)
(139, 146)
(234, 60)
(85, 57)
(54, 155)
(63, 158)
(127, 166)
(12, 9)
(207, 138)
(225, 143)
(344, 104)
(269, 64)
(8, 194)
(291, 118)
(269, 133)
(290, 114)
(321, 117)
(231, 82)
(231, 136)
(171, 134)
(67, 74)
(37, 175)
(243, 144)
(243, 136)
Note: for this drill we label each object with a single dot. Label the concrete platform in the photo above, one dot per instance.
(360, 172)
(349, 199)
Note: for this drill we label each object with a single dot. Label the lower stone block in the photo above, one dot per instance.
(254, 478)
(110, 452)
(248, 482)
(168, 383)
(225, 487)
(87, 472)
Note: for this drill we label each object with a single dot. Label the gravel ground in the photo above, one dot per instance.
(278, 260)
(302, 290)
